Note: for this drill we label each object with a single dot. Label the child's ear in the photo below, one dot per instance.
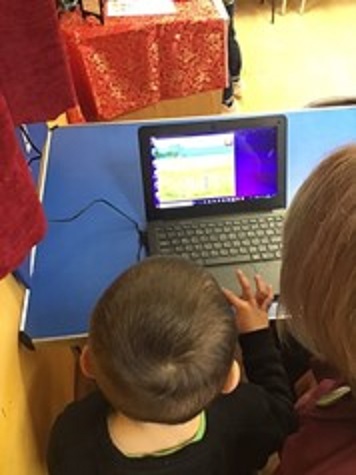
(232, 379)
(85, 362)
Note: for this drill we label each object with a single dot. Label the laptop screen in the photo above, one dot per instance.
(214, 168)
(190, 168)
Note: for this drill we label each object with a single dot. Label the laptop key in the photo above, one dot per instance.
(267, 256)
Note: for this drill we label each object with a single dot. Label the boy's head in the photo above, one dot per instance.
(318, 278)
(162, 341)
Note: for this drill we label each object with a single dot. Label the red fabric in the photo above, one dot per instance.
(133, 62)
(21, 217)
(325, 443)
(35, 86)
(34, 75)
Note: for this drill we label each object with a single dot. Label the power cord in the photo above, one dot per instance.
(142, 239)
(28, 137)
(24, 338)
(33, 159)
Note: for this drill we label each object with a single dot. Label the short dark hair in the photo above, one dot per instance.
(162, 340)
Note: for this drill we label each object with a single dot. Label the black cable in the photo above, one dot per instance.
(29, 139)
(141, 244)
(141, 234)
(33, 159)
(89, 205)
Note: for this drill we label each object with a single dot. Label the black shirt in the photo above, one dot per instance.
(243, 428)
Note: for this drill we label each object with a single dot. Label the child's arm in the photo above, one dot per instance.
(262, 360)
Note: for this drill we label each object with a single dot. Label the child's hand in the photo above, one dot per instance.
(251, 309)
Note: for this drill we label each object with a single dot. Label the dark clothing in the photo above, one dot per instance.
(234, 53)
(243, 428)
(296, 359)
(326, 441)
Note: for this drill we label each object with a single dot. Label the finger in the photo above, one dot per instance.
(268, 300)
(261, 288)
(237, 302)
(247, 293)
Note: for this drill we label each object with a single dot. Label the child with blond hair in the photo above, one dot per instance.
(318, 291)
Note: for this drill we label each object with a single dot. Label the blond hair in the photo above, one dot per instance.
(318, 277)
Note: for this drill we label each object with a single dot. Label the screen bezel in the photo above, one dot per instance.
(205, 127)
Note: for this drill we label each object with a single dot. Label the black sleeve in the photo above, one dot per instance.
(66, 456)
(253, 421)
(264, 370)
(296, 359)
(54, 450)
(72, 444)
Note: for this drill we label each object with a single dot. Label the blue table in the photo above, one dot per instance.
(79, 258)
(31, 139)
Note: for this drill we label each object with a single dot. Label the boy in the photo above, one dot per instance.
(161, 348)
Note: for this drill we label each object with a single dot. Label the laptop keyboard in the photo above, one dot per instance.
(249, 239)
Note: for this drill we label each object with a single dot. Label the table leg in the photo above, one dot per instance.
(273, 8)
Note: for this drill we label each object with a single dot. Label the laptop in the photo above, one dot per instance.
(215, 192)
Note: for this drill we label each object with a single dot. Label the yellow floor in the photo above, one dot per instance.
(299, 58)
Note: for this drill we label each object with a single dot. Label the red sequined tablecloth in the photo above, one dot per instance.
(132, 62)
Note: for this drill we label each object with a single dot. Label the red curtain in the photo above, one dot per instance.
(35, 86)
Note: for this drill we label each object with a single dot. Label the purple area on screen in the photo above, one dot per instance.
(256, 162)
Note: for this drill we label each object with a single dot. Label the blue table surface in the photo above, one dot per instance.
(78, 259)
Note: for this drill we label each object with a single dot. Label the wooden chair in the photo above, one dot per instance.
(301, 6)
(273, 9)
